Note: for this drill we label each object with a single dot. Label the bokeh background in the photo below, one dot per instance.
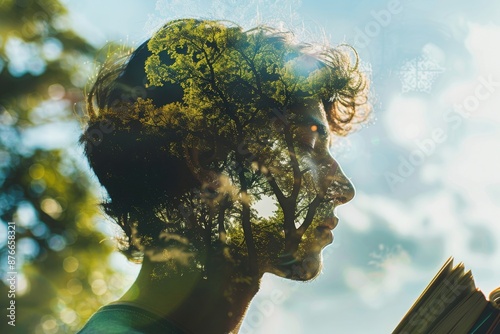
(426, 167)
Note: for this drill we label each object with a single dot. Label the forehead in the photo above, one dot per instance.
(310, 111)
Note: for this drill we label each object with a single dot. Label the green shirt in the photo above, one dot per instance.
(122, 318)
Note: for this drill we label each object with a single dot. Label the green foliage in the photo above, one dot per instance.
(233, 76)
(227, 76)
(63, 272)
(236, 129)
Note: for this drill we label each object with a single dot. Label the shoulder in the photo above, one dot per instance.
(121, 318)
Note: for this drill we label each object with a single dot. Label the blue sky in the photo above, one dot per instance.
(425, 167)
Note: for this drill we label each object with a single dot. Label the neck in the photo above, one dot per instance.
(215, 304)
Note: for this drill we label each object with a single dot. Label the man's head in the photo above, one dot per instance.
(209, 119)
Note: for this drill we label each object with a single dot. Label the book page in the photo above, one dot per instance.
(450, 289)
(495, 297)
(463, 316)
(431, 287)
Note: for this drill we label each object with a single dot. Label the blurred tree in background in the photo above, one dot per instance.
(63, 268)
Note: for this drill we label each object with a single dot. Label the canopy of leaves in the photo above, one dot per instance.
(234, 128)
(63, 272)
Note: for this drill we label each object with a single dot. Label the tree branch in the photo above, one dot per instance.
(310, 215)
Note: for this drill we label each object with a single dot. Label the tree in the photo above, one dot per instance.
(63, 275)
(236, 126)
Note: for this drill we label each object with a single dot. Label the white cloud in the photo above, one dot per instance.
(405, 119)
(482, 43)
(391, 270)
(394, 214)
(355, 217)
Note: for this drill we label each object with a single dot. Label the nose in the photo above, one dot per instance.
(340, 187)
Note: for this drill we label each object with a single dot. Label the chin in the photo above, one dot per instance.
(299, 268)
(304, 264)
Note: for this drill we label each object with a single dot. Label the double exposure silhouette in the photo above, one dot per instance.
(207, 121)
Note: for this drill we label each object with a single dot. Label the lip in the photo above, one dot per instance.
(324, 230)
(323, 235)
(329, 223)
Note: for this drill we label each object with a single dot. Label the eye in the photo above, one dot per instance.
(308, 136)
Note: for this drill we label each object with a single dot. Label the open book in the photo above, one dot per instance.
(451, 303)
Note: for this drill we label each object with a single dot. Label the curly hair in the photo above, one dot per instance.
(184, 87)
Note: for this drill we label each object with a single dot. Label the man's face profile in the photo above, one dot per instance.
(210, 120)
(322, 185)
